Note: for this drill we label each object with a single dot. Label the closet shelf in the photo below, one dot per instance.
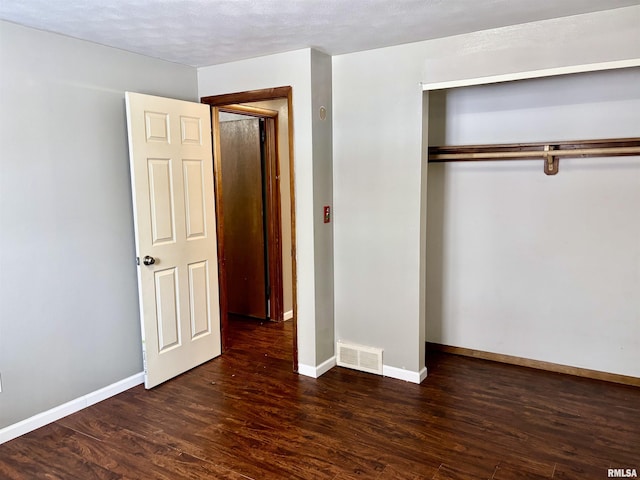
(550, 152)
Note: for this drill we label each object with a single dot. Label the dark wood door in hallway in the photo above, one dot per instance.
(246, 415)
(244, 219)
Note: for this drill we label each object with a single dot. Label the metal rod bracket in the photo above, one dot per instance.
(551, 162)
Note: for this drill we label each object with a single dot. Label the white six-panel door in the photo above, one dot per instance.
(172, 182)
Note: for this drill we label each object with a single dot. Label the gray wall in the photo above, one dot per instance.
(69, 321)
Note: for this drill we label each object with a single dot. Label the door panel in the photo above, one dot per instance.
(161, 200)
(242, 196)
(199, 299)
(166, 309)
(194, 198)
(174, 220)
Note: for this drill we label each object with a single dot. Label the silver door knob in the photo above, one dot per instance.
(148, 260)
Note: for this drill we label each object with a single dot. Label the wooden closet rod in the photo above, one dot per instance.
(550, 152)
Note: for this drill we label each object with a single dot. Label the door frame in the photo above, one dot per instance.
(230, 103)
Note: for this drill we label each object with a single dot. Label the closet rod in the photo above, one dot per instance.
(527, 155)
(550, 152)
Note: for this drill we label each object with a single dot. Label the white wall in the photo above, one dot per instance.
(524, 264)
(292, 69)
(69, 321)
(321, 87)
(377, 117)
(377, 159)
(606, 36)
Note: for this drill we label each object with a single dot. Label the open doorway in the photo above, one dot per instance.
(261, 123)
(251, 224)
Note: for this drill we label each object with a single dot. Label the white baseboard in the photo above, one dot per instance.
(406, 375)
(315, 372)
(56, 413)
(387, 371)
(288, 315)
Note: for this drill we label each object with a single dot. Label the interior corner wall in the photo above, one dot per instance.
(69, 315)
(377, 118)
(286, 69)
(321, 87)
(529, 265)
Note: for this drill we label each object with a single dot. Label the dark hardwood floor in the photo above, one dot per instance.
(246, 415)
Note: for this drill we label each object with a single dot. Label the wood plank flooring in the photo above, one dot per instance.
(247, 416)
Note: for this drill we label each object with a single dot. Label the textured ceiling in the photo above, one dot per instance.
(208, 32)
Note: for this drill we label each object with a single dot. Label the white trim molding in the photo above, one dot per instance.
(315, 372)
(61, 411)
(406, 375)
(547, 72)
(288, 315)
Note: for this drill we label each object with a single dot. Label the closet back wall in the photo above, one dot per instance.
(524, 264)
